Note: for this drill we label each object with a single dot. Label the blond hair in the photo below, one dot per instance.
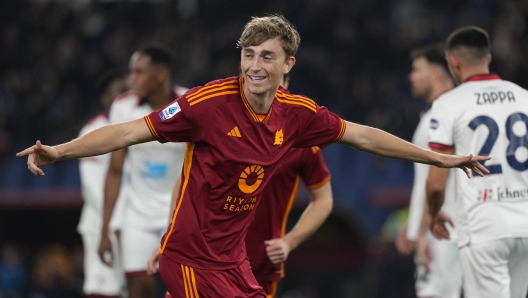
(260, 29)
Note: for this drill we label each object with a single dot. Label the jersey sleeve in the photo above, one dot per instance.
(441, 127)
(320, 128)
(180, 122)
(313, 170)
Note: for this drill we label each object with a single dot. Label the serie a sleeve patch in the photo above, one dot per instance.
(169, 111)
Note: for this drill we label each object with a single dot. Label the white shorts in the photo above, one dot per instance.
(496, 269)
(137, 246)
(445, 278)
(100, 279)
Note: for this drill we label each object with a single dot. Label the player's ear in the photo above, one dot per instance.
(453, 60)
(162, 74)
(288, 65)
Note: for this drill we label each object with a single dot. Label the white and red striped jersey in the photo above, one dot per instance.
(487, 116)
(153, 168)
(93, 174)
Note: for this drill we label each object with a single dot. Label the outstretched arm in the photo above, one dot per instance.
(312, 218)
(381, 143)
(97, 142)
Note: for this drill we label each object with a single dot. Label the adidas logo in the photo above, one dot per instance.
(234, 132)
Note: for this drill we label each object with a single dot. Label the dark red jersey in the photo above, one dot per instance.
(306, 164)
(231, 156)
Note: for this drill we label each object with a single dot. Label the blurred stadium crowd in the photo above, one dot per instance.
(353, 58)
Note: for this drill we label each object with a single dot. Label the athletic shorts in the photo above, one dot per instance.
(445, 276)
(270, 287)
(100, 279)
(137, 246)
(186, 282)
(495, 269)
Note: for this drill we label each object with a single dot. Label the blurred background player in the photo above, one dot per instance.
(153, 169)
(99, 279)
(487, 115)
(438, 270)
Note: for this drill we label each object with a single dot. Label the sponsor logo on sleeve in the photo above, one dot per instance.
(170, 111)
(434, 124)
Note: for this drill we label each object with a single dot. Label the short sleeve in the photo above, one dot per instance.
(179, 122)
(313, 170)
(441, 127)
(320, 128)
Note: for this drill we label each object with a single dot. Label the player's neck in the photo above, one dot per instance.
(468, 72)
(161, 97)
(439, 89)
(260, 103)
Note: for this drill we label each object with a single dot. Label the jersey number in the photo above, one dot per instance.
(515, 141)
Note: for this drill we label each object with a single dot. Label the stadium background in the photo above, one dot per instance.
(353, 59)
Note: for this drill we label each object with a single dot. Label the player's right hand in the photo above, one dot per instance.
(105, 250)
(438, 225)
(152, 266)
(39, 155)
(466, 163)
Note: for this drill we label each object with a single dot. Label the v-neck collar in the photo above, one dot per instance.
(248, 106)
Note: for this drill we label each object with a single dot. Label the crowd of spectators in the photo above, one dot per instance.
(353, 56)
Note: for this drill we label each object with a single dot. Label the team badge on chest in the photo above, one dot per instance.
(279, 137)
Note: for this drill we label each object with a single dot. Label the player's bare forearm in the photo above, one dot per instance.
(313, 216)
(426, 220)
(106, 139)
(112, 186)
(435, 186)
(381, 143)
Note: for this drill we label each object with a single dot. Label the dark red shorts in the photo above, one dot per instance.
(270, 287)
(186, 282)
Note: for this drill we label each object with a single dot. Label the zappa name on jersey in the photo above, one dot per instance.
(493, 97)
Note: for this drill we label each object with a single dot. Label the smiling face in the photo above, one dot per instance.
(263, 67)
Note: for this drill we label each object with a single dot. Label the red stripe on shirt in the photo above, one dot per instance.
(482, 77)
(440, 146)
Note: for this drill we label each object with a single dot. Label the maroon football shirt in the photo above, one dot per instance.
(306, 164)
(231, 155)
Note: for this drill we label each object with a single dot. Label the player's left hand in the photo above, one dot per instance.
(152, 265)
(438, 225)
(466, 163)
(277, 249)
